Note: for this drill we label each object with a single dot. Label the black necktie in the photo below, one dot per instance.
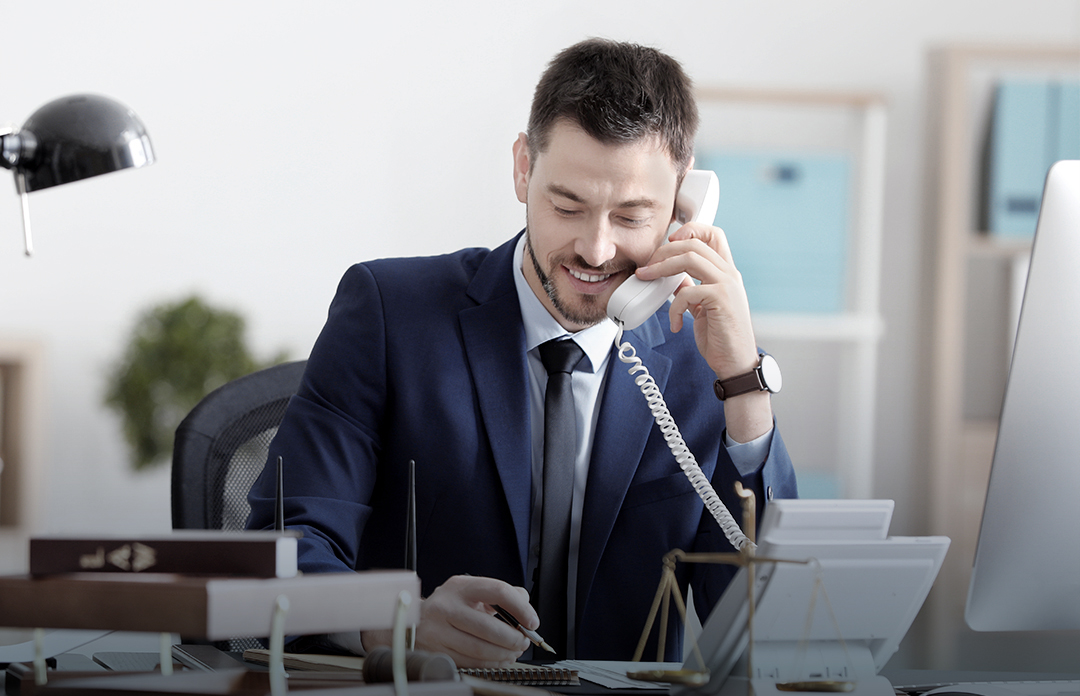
(560, 452)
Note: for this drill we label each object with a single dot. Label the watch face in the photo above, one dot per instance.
(770, 373)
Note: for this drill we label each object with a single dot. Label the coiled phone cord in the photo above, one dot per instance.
(677, 445)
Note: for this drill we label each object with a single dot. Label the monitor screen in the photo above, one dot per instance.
(1026, 575)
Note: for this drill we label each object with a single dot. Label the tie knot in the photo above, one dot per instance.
(560, 355)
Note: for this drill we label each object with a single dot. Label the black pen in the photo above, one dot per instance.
(531, 635)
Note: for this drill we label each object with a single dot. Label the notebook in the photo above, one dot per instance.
(521, 673)
(526, 675)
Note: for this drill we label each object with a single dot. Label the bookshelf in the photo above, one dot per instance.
(975, 289)
(827, 408)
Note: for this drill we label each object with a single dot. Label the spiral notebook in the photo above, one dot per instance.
(526, 675)
(521, 673)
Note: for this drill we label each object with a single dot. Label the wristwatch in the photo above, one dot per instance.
(765, 377)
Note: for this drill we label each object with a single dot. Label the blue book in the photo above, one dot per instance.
(1068, 139)
(1034, 124)
(1018, 156)
(786, 218)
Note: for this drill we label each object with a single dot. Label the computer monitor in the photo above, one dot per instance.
(1026, 575)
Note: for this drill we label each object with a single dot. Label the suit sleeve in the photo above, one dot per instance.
(329, 437)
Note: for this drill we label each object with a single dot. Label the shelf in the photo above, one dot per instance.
(982, 245)
(829, 399)
(848, 326)
(973, 304)
(788, 97)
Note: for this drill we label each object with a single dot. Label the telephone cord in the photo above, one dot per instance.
(685, 458)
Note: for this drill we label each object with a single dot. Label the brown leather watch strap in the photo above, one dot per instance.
(734, 386)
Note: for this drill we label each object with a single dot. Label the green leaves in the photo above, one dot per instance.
(177, 354)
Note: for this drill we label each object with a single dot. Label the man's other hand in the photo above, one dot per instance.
(458, 619)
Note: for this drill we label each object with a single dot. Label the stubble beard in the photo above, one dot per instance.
(589, 311)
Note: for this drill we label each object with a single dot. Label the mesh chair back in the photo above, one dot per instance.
(221, 448)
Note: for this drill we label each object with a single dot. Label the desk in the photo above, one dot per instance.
(214, 659)
(918, 680)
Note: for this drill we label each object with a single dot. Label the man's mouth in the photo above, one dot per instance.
(589, 277)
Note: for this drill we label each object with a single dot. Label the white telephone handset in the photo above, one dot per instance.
(636, 300)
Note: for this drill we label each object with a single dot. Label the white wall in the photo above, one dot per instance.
(295, 138)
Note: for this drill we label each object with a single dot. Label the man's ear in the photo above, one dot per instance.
(521, 167)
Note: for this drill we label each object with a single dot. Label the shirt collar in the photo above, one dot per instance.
(540, 327)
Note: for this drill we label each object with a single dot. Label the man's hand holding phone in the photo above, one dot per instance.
(721, 311)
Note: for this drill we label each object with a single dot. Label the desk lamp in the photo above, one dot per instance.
(72, 138)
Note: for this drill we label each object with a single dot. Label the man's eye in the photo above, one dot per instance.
(564, 212)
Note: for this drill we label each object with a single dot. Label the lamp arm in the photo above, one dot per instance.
(24, 200)
(17, 147)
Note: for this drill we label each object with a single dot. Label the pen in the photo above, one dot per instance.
(531, 635)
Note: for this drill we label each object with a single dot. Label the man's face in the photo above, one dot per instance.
(594, 213)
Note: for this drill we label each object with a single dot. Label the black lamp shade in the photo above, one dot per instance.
(80, 136)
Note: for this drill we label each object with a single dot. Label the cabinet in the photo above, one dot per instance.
(827, 405)
(974, 301)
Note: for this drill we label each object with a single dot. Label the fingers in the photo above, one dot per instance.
(714, 237)
(517, 603)
(700, 251)
(466, 649)
(457, 619)
(485, 593)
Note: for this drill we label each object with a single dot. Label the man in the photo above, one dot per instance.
(438, 360)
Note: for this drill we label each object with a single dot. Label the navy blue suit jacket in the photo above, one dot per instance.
(424, 359)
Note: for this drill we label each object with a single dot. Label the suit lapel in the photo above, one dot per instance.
(622, 430)
(494, 341)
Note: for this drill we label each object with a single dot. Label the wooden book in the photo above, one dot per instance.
(191, 552)
(207, 607)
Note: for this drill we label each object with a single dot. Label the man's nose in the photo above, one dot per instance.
(597, 244)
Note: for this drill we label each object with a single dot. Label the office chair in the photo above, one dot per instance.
(221, 447)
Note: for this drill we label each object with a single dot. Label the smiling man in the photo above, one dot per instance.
(595, 213)
(553, 495)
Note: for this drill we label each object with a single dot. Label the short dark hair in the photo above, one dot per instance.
(618, 93)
